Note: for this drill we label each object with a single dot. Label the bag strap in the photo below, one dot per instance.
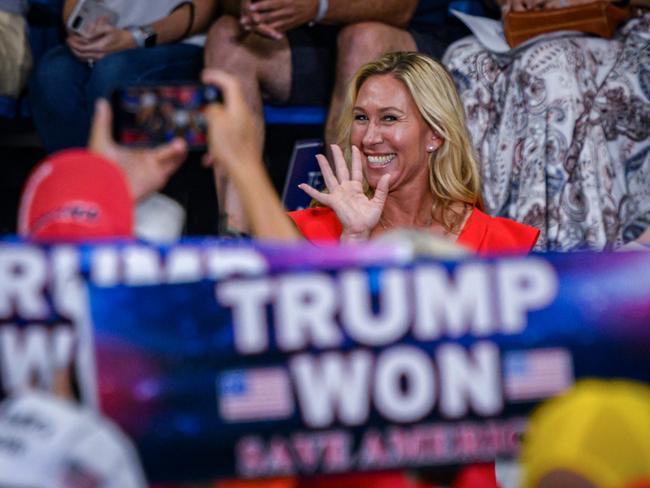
(190, 24)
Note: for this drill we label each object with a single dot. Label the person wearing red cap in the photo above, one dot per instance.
(82, 194)
(78, 195)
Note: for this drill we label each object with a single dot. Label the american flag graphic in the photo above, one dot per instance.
(536, 373)
(255, 394)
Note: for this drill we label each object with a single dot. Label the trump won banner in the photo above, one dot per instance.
(256, 361)
(337, 366)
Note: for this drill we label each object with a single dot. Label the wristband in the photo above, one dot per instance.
(323, 5)
(144, 36)
(138, 35)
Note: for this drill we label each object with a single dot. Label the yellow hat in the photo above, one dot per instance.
(599, 430)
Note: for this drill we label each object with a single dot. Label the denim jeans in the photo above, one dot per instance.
(63, 89)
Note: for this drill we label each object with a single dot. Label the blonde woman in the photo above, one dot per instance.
(411, 164)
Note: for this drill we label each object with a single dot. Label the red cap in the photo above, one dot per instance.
(76, 195)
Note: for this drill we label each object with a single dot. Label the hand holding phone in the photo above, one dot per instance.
(87, 14)
(233, 127)
(146, 169)
(147, 115)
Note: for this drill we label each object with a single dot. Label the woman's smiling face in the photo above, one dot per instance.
(391, 134)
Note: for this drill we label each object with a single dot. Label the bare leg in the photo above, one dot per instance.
(358, 44)
(263, 66)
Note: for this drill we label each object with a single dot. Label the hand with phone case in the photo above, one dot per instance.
(146, 169)
(103, 39)
(150, 114)
(66, 83)
(92, 33)
(231, 125)
(86, 14)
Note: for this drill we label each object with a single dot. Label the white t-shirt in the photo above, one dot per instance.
(44, 441)
(13, 6)
(142, 12)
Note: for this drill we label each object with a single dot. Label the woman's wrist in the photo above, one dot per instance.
(354, 237)
(127, 40)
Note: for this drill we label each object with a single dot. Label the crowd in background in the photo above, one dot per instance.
(560, 126)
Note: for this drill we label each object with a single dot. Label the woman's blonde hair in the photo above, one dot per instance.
(453, 170)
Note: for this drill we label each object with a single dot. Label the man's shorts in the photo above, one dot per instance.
(15, 56)
(313, 57)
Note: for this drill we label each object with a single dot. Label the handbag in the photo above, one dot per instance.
(600, 18)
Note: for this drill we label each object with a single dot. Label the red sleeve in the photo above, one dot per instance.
(497, 235)
(508, 236)
(317, 224)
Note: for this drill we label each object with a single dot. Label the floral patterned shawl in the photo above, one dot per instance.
(562, 128)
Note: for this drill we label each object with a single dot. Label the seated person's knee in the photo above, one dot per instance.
(108, 73)
(52, 66)
(364, 40)
(222, 41)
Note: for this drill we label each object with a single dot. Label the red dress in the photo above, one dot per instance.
(481, 233)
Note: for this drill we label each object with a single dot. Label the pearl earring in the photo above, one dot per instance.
(430, 148)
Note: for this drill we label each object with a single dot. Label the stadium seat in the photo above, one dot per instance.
(305, 115)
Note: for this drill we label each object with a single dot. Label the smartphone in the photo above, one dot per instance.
(148, 115)
(87, 13)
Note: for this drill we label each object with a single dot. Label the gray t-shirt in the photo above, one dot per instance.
(13, 6)
(140, 12)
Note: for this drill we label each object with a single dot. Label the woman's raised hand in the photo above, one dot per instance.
(357, 213)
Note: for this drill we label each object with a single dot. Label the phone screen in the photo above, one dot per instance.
(151, 115)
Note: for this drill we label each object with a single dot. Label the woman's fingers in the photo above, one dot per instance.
(357, 173)
(100, 29)
(207, 161)
(342, 172)
(101, 139)
(272, 16)
(320, 197)
(171, 155)
(76, 44)
(268, 31)
(75, 41)
(381, 191)
(328, 176)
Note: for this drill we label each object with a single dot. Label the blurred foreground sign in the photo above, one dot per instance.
(255, 361)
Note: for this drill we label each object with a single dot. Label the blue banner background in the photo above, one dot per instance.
(160, 349)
